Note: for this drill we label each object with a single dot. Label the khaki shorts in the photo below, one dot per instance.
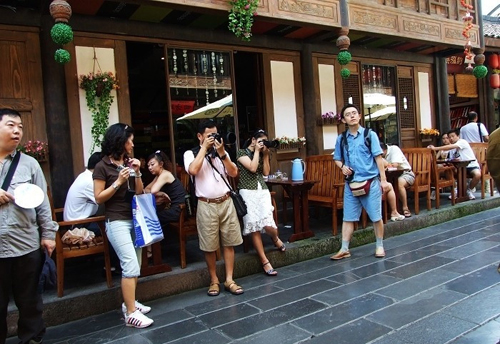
(212, 219)
(409, 177)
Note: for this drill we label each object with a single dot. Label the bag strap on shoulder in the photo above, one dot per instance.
(10, 173)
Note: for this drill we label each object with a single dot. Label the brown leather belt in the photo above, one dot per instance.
(214, 200)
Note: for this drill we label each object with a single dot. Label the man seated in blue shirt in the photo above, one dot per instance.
(361, 163)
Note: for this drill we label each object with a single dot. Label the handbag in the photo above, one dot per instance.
(147, 227)
(239, 203)
(360, 188)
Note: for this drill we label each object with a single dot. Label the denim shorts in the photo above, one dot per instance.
(371, 202)
(121, 236)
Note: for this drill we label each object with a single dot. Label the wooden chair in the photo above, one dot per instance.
(442, 177)
(420, 160)
(480, 153)
(186, 225)
(329, 191)
(64, 251)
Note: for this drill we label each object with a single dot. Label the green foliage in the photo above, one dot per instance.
(344, 57)
(98, 89)
(480, 71)
(241, 17)
(345, 73)
(62, 56)
(61, 33)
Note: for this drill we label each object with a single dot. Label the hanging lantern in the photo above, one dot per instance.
(60, 10)
(495, 80)
(493, 61)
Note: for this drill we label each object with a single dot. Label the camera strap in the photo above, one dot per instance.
(224, 179)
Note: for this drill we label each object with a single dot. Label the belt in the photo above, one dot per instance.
(214, 200)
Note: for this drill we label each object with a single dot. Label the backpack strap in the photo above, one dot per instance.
(479, 129)
(368, 139)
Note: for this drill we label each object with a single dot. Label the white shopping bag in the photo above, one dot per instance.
(146, 224)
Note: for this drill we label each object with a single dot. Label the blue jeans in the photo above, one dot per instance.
(121, 235)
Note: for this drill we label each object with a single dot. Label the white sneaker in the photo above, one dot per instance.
(137, 320)
(456, 193)
(433, 195)
(470, 194)
(473, 189)
(138, 306)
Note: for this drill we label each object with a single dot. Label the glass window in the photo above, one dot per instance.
(200, 88)
(379, 100)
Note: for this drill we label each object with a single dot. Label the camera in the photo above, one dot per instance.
(216, 136)
(350, 177)
(132, 172)
(271, 144)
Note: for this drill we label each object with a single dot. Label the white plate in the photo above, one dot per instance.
(28, 196)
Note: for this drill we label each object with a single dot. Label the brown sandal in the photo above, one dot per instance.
(233, 288)
(213, 289)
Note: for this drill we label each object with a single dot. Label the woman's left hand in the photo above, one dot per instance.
(134, 164)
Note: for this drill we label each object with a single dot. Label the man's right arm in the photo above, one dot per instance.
(194, 166)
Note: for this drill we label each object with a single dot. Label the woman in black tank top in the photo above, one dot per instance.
(166, 187)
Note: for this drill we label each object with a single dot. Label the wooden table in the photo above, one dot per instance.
(461, 166)
(298, 193)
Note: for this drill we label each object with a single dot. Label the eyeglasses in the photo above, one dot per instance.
(350, 114)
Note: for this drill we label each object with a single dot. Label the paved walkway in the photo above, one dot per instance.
(436, 285)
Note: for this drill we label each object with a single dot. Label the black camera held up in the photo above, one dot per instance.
(216, 136)
(271, 144)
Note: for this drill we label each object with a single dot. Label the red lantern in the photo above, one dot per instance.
(495, 80)
(494, 61)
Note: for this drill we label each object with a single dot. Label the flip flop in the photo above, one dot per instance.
(271, 271)
(407, 213)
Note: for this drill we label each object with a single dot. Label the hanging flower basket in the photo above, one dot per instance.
(241, 17)
(98, 89)
(36, 149)
(291, 142)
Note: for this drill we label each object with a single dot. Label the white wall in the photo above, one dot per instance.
(85, 65)
(285, 113)
(425, 101)
(328, 102)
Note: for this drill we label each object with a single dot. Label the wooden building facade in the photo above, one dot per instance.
(173, 58)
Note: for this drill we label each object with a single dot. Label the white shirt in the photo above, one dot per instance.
(80, 201)
(470, 132)
(208, 183)
(396, 156)
(465, 152)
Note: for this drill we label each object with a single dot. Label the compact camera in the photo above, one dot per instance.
(350, 177)
(271, 144)
(216, 136)
(132, 172)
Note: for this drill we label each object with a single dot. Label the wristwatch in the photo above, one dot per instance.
(223, 157)
(115, 186)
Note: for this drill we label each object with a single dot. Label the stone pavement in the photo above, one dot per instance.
(436, 285)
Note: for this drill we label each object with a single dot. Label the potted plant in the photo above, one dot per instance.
(426, 134)
(241, 17)
(98, 89)
(291, 142)
(37, 149)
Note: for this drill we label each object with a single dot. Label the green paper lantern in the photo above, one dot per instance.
(480, 71)
(344, 57)
(62, 56)
(345, 73)
(61, 33)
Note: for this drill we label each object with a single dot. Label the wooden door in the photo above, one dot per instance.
(21, 79)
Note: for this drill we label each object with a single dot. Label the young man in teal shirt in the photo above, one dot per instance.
(360, 159)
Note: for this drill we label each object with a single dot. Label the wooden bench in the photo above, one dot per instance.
(420, 160)
(480, 153)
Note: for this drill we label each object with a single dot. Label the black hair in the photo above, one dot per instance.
(93, 160)
(383, 146)
(348, 106)
(114, 140)
(472, 115)
(456, 131)
(162, 158)
(9, 112)
(256, 135)
(206, 124)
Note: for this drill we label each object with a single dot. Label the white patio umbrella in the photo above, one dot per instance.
(381, 114)
(370, 99)
(220, 108)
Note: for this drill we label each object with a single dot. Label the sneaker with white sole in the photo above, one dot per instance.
(138, 306)
(433, 195)
(137, 320)
(470, 194)
(456, 193)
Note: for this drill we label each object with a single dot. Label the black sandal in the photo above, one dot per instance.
(281, 248)
(270, 272)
